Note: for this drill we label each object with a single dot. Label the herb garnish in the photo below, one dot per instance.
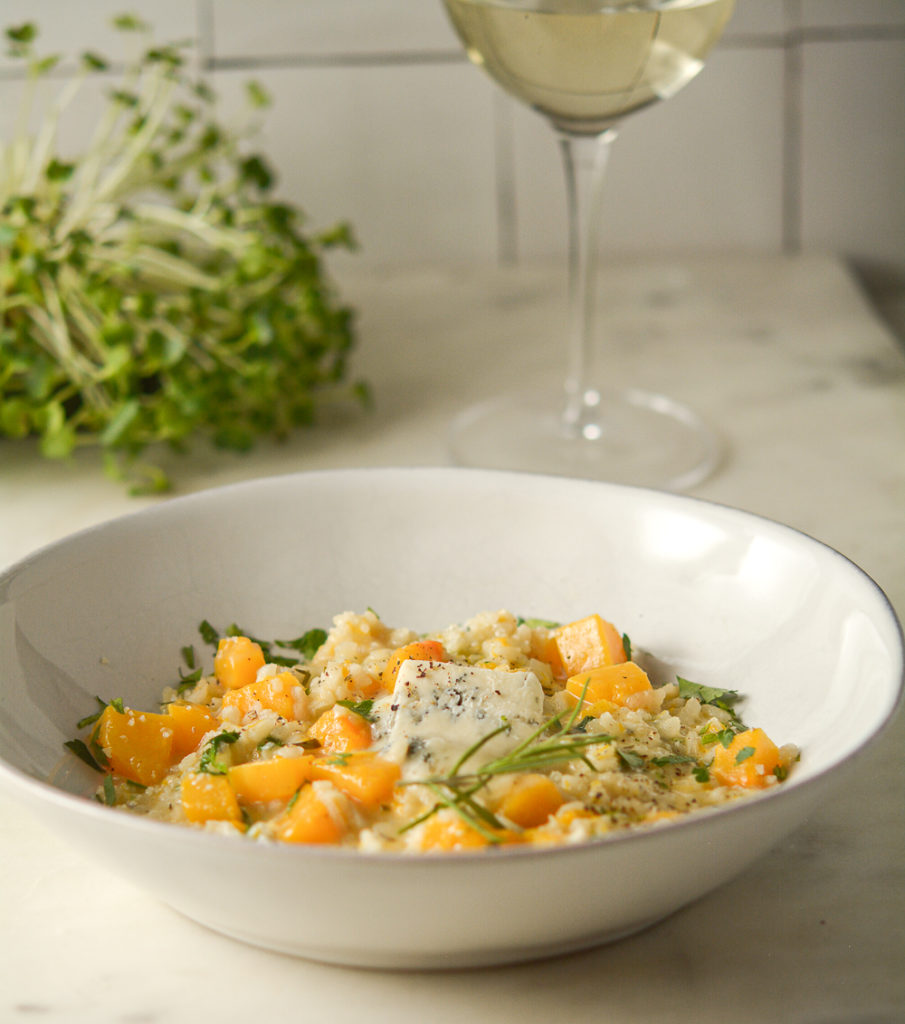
(306, 644)
(553, 742)
(719, 698)
(362, 708)
(94, 757)
(535, 623)
(209, 758)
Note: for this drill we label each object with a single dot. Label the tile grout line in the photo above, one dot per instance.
(792, 124)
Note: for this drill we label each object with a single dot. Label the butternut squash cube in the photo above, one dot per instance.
(209, 798)
(612, 683)
(190, 723)
(749, 760)
(419, 650)
(364, 778)
(138, 744)
(445, 834)
(589, 643)
(282, 693)
(313, 817)
(340, 730)
(237, 661)
(531, 801)
(260, 782)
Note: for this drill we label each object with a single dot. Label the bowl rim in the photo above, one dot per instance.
(21, 785)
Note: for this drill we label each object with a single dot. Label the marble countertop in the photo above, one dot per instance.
(808, 390)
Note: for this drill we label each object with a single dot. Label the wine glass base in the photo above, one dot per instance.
(628, 437)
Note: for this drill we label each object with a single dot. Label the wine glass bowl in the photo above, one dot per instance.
(584, 65)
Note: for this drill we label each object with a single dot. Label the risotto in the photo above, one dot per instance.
(496, 731)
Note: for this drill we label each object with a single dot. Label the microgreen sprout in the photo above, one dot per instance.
(151, 287)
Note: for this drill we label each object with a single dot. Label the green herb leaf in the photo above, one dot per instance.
(744, 754)
(109, 791)
(210, 761)
(722, 736)
(208, 634)
(672, 759)
(362, 708)
(83, 723)
(82, 752)
(723, 699)
(307, 644)
(701, 773)
(270, 741)
(627, 646)
(630, 759)
(188, 682)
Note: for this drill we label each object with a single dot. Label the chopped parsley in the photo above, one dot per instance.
(672, 759)
(307, 644)
(109, 791)
(209, 758)
(94, 756)
(724, 736)
(629, 758)
(362, 708)
(718, 698)
(744, 754)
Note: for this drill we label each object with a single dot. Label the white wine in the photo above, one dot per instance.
(585, 64)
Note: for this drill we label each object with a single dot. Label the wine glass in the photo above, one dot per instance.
(584, 65)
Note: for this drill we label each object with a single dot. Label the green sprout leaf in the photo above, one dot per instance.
(154, 292)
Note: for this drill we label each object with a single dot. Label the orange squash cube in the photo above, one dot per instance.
(546, 649)
(447, 834)
(419, 650)
(282, 693)
(237, 661)
(612, 683)
(749, 760)
(190, 723)
(589, 643)
(138, 744)
(340, 730)
(260, 782)
(310, 818)
(364, 778)
(209, 798)
(531, 801)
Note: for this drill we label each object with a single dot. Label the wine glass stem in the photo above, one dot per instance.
(584, 161)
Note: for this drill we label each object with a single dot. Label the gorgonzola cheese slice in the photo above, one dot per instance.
(438, 710)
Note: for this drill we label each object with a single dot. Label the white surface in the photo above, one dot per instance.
(811, 394)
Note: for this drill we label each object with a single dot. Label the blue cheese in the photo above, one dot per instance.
(438, 710)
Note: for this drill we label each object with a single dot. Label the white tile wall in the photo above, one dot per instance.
(793, 136)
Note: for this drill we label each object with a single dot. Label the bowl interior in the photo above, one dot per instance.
(718, 596)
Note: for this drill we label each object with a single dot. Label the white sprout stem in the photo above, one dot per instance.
(216, 237)
(44, 144)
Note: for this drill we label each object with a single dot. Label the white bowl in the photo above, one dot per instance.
(721, 596)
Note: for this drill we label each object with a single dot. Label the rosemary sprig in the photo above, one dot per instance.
(538, 752)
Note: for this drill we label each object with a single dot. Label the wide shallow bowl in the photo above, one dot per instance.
(720, 596)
